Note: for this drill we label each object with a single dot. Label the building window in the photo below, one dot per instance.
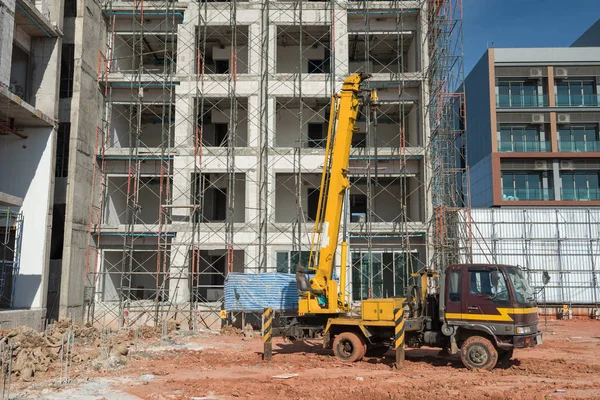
(318, 66)
(316, 136)
(521, 139)
(572, 93)
(580, 186)
(212, 196)
(359, 139)
(222, 66)
(61, 169)
(221, 135)
(578, 138)
(358, 208)
(287, 261)
(67, 69)
(519, 94)
(524, 186)
(313, 203)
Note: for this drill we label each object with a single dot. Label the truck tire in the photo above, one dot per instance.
(478, 353)
(349, 346)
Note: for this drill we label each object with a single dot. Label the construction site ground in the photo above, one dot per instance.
(227, 365)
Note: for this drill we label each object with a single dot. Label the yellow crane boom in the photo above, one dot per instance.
(324, 296)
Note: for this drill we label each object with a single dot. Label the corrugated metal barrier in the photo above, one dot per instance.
(564, 242)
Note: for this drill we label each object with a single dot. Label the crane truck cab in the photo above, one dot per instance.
(489, 310)
(482, 311)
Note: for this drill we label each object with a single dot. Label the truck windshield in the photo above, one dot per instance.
(523, 291)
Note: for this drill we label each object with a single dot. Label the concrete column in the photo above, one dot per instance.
(182, 189)
(185, 135)
(88, 36)
(46, 73)
(7, 24)
(255, 50)
(179, 271)
(186, 57)
(340, 54)
(557, 181)
(252, 196)
(271, 52)
(271, 121)
(251, 259)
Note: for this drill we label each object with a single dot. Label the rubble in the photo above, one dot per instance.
(229, 330)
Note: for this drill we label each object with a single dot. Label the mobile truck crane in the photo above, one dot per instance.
(481, 311)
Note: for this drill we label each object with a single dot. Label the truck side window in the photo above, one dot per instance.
(454, 289)
(489, 283)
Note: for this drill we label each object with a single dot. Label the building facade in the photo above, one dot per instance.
(30, 51)
(210, 147)
(533, 119)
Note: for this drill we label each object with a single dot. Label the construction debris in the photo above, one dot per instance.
(229, 330)
(27, 352)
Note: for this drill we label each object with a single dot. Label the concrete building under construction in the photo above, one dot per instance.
(185, 141)
(210, 146)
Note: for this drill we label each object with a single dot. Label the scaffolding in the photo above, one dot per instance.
(209, 153)
(447, 149)
(11, 232)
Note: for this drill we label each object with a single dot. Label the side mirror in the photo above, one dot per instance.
(545, 278)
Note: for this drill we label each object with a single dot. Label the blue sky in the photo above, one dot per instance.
(524, 23)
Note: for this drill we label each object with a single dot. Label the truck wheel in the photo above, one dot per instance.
(349, 347)
(478, 353)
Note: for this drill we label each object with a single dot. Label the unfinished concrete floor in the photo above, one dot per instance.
(211, 366)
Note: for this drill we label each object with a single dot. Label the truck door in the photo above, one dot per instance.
(485, 291)
(453, 293)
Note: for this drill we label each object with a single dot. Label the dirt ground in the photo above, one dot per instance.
(211, 366)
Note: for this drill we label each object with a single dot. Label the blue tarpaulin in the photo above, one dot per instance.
(254, 292)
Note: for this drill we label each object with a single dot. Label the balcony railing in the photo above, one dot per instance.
(578, 147)
(527, 194)
(504, 101)
(520, 147)
(588, 100)
(580, 194)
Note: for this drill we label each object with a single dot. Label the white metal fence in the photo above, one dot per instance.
(564, 242)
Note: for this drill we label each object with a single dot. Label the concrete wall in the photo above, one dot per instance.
(116, 202)
(288, 130)
(32, 161)
(285, 195)
(34, 319)
(142, 273)
(289, 58)
(7, 21)
(151, 132)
